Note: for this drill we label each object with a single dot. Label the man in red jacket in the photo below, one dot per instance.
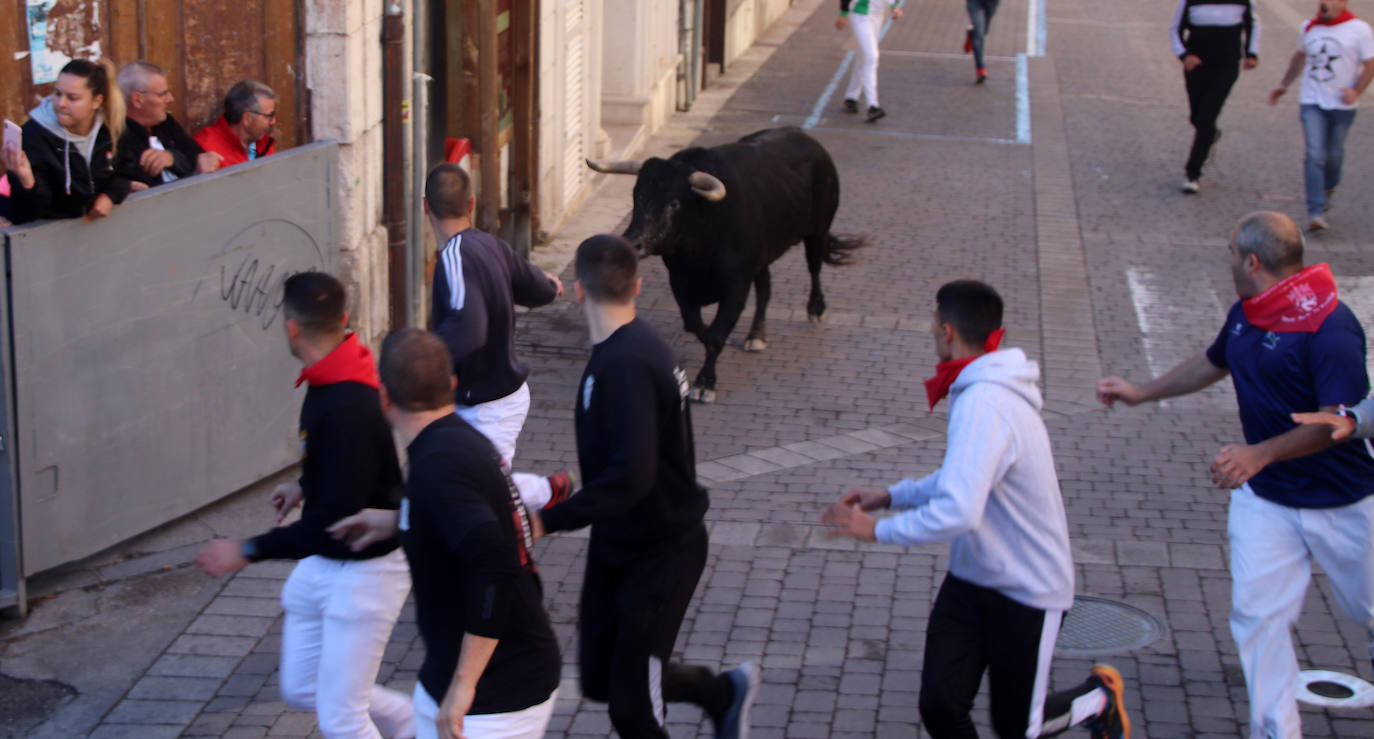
(244, 132)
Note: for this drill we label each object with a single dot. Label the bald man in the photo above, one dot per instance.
(1290, 346)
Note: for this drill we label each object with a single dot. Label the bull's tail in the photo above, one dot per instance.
(840, 250)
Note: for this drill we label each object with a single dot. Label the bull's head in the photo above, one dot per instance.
(671, 200)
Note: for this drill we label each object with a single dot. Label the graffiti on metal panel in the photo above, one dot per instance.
(254, 264)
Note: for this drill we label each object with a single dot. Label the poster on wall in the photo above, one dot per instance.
(60, 31)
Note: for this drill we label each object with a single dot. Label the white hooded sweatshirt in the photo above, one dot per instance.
(996, 496)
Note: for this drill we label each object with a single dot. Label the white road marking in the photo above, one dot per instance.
(1357, 292)
(1178, 316)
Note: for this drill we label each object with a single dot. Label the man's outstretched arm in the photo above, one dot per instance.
(1190, 376)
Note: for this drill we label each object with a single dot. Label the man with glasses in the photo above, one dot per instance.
(244, 132)
(155, 148)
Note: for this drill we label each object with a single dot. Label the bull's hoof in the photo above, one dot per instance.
(755, 345)
(815, 317)
(702, 395)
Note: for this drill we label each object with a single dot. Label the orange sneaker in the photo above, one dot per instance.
(1112, 723)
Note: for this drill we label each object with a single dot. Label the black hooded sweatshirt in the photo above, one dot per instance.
(49, 197)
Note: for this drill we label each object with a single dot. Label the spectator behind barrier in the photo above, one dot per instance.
(66, 166)
(244, 131)
(155, 148)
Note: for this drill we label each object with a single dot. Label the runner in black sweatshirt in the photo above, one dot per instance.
(1209, 37)
(640, 496)
(340, 605)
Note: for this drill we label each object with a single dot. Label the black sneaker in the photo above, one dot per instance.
(1112, 723)
(851, 105)
(734, 724)
(874, 113)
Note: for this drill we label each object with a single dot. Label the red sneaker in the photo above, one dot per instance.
(561, 486)
(968, 40)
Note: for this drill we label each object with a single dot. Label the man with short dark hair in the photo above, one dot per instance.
(491, 664)
(478, 281)
(1290, 346)
(340, 604)
(640, 496)
(154, 148)
(996, 499)
(244, 132)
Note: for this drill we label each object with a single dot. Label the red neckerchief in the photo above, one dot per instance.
(351, 361)
(1296, 304)
(946, 373)
(1319, 21)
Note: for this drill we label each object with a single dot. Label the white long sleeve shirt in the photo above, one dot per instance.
(996, 496)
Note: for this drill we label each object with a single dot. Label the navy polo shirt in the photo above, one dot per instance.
(1280, 373)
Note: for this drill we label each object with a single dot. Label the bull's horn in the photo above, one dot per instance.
(631, 167)
(707, 186)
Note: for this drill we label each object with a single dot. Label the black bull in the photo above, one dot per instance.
(720, 216)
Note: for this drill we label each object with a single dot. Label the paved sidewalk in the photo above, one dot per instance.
(1077, 227)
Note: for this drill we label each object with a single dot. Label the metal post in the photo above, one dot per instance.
(419, 162)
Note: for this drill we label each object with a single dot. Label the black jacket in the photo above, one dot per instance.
(175, 140)
(477, 284)
(634, 444)
(49, 197)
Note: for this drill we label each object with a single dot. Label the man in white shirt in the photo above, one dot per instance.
(1337, 51)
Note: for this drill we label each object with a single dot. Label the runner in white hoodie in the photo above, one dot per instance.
(996, 500)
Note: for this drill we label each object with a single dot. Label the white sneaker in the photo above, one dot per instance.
(1318, 223)
(1190, 187)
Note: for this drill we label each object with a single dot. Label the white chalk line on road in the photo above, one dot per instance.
(1178, 316)
(871, 131)
(1023, 121)
(1357, 292)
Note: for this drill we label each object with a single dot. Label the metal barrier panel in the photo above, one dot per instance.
(11, 575)
(150, 364)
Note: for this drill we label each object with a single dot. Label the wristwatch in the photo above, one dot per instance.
(249, 549)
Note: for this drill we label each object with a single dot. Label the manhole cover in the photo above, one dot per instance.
(1100, 626)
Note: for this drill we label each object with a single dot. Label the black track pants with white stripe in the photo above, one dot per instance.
(628, 622)
(975, 629)
(1208, 86)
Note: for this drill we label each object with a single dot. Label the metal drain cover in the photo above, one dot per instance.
(1100, 626)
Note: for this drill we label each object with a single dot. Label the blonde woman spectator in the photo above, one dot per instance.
(66, 168)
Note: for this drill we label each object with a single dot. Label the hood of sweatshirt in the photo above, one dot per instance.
(46, 117)
(351, 361)
(1009, 368)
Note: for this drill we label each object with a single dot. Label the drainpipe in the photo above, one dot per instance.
(393, 160)
(419, 162)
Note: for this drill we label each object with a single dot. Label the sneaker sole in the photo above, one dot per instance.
(1112, 680)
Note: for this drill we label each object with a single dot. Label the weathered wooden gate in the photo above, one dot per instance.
(204, 45)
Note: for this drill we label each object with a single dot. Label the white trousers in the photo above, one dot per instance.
(865, 73)
(529, 723)
(500, 421)
(339, 615)
(1272, 548)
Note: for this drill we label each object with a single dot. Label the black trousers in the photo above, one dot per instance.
(1208, 86)
(973, 630)
(629, 619)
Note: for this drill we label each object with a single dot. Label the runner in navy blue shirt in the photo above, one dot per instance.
(1290, 346)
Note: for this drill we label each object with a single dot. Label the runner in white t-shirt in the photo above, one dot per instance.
(1336, 60)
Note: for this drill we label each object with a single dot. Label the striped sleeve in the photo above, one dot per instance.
(1178, 28)
(1251, 25)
